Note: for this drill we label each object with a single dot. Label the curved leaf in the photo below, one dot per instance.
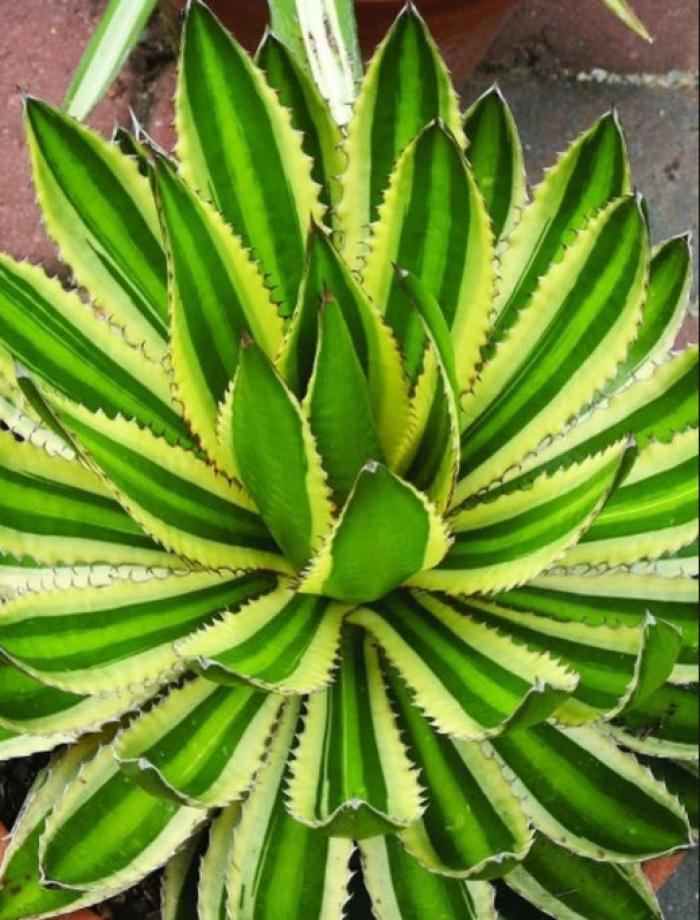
(274, 855)
(351, 775)
(202, 745)
(113, 638)
(232, 132)
(471, 681)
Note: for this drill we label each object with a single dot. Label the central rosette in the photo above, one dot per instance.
(352, 492)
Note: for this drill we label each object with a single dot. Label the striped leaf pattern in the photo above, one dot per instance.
(232, 132)
(99, 211)
(348, 503)
(203, 744)
(496, 157)
(406, 87)
(273, 855)
(351, 774)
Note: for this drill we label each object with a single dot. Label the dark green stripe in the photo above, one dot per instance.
(597, 178)
(211, 733)
(587, 797)
(485, 690)
(423, 895)
(671, 410)
(459, 813)
(59, 353)
(523, 535)
(33, 505)
(102, 636)
(586, 316)
(310, 114)
(236, 136)
(133, 254)
(596, 610)
(285, 640)
(605, 674)
(173, 500)
(492, 156)
(24, 698)
(129, 818)
(434, 236)
(211, 311)
(665, 500)
(668, 278)
(592, 890)
(352, 767)
(293, 860)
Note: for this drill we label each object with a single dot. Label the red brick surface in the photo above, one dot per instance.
(40, 44)
(581, 35)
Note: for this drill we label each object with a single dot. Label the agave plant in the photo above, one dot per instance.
(352, 511)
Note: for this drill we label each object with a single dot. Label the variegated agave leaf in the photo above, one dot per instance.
(359, 504)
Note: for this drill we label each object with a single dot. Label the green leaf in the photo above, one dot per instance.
(386, 532)
(401, 889)
(273, 855)
(323, 36)
(655, 407)
(174, 496)
(179, 888)
(322, 138)
(620, 597)
(62, 343)
(653, 510)
(406, 87)
(374, 343)
(565, 345)
(283, 642)
(670, 279)
(590, 174)
(22, 893)
(338, 404)
(663, 724)
(581, 791)
(105, 832)
(215, 865)
(114, 637)
(503, 543)
(351, 775)
(433, 223)
(202, 745)
(496, 157)
(236, 145)
(431, 461)
(30, 707)
(681, 779)
(56, 511)
(277, 457)
(616, 664)
(474, 826)
(472, 682)
(101, 213)
(117, 33)
(569, 887)
(624, 11)
(217, 295)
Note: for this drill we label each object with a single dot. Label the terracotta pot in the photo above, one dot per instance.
(464, 29)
